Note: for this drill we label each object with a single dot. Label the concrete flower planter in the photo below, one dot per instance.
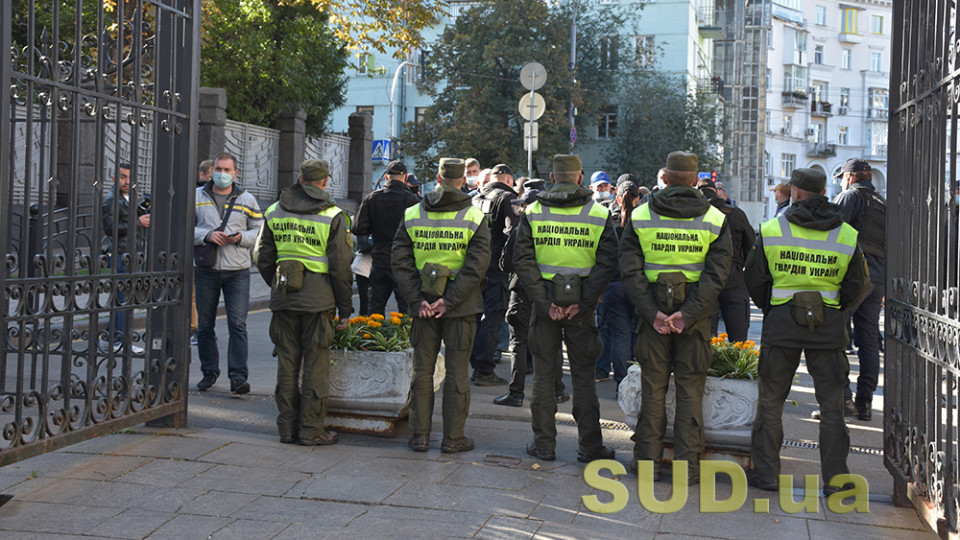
(370, 391)
(729, 407)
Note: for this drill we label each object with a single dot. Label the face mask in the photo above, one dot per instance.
(222, 179)
(472, 181)
(601, 195)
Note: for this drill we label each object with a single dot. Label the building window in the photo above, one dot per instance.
(876, 24)
(412, 75)
(843, 136)
(608, 53)
(877, 140)
(844, 101)
(787, 162)
(819, 92)
(766, 121)
(365, 63)
(818, 54)
(815, 133)
(365, 109)
(607, 122)
(419, 113)
(878, 100)
(794, 79)
(645, 51)
(800, 41)
(788, 125)
(821, 16)
(766, 81)
(845, 59)
(766, 163)
(848, 24)
(876, 62)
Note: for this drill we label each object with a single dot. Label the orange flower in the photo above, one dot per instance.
(376, 317)
(367, 336)
(374, 324)
(396, 320)
(722, 336)
(395, 314)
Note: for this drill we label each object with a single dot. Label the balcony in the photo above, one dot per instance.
(821, 108)
(822, 150)
(710, 85)
(876, 115)
(875, 153)
(795, 100)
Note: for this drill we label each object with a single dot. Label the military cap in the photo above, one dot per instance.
(501, 168)
(782, 187)
(314, 170)
(567, 163)
(682, 162)
(854, 165)
(812, 180)
(451, 168)
(396, 167)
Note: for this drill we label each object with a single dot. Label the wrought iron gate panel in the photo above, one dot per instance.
(87, 86)
(923, 289)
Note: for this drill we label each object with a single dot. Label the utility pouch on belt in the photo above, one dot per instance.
(671, 291)
(808, 309)
(289, 276)
(566, 290)
(433, 279)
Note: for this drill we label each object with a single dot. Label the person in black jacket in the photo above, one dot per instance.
(116, 227)
(734, 298)
(494, 200)
(380, 215)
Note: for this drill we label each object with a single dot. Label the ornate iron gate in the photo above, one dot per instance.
(923, 293)
(93, 307)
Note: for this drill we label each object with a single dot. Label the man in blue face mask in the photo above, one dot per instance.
(229, 218)
(601, 187)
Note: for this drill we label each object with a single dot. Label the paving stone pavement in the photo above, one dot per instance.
(212, 482)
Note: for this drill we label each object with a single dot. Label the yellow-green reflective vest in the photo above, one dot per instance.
(802, 259)
(302, 237)
(675, 244)
(565, 239)
(441, 237)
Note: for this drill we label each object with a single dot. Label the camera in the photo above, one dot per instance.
(144, 207)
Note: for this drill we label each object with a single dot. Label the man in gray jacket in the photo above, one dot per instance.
(229, 218)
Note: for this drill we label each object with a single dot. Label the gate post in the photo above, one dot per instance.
(293, 137)
(212, 115)
(361, 146)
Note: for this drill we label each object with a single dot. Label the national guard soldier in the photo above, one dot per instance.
(675, 255)
(304, 252)
(565, 255)
(803, 272)
(440, 254)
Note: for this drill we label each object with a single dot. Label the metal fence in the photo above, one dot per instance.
(335, 149)
(923, 289)
(258, 151)
(95, 331)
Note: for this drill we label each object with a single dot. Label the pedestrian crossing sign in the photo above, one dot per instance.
(381, 150)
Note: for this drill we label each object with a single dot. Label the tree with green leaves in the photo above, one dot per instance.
(658, 114)
(473, 75)
(269, 55)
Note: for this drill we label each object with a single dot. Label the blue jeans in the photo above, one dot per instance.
(617, 325)
(235, 285)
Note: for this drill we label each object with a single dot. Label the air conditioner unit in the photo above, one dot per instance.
(810, 131)
(783, 131)
(842, 111)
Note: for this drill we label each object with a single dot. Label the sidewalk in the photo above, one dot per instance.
(222, 483)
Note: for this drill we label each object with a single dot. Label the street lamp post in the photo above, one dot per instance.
(393, 94)
(573, 67)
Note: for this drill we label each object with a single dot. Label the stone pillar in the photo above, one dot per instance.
(293, 137)
(212, 123)
(361, 148)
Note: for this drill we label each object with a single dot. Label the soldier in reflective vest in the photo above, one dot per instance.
(803, 272)
(675, 255)
(440, 254)
(564, 256)
(304, 252)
